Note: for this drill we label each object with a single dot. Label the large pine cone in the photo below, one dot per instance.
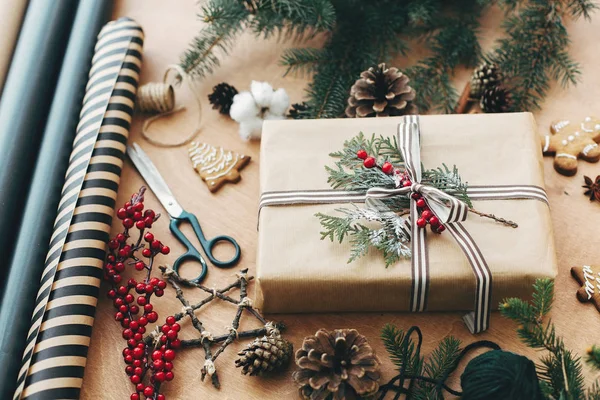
(486, 76)
(381, 92)
(338, 365)
(266, 354)
(496, 100)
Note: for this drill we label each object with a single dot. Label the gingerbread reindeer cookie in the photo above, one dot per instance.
(590, 284)
(570, 141)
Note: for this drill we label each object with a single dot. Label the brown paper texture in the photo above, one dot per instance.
(298, 272)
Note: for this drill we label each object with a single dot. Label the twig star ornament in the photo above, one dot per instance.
(216, 165)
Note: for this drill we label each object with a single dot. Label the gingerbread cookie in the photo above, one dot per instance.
(216, 165)
(570, 141)
(590, 285)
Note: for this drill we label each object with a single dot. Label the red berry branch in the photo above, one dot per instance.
(133, 313)
(426, 216)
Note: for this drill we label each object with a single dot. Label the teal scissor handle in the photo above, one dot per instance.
(207, 245)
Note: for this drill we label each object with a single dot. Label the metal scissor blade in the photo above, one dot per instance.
(154, 180)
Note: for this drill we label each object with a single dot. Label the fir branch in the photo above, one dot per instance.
(225, 19)
(439, 364)
(559, 370)
(302, 60)
(393, 340)
(534, 51)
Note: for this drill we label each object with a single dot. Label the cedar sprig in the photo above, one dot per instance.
(449, 181)
(389, 238)
(379, 226)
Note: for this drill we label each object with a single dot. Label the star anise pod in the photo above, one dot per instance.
(593, 188)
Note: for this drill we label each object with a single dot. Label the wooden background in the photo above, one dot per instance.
(169, 27)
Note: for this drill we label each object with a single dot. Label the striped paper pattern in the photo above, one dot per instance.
(61, 326)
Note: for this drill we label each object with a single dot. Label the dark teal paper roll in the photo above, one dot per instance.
(27, 263)
(24, 106)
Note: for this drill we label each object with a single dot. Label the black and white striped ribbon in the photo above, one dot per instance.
(449, 210)
(55, 354)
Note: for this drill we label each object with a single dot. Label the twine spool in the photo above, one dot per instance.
(159, 97)
(156, 97)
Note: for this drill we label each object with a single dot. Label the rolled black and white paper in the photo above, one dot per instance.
(57, 344)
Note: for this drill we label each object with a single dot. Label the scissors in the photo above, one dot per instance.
(178, 215)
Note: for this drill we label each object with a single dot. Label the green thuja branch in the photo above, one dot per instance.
(379, 226)
(560, 370)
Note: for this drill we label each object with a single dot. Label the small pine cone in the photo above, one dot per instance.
(496, 100)
(266, 354)
(338, 365)
(222, 97)
(297, 109)
(484, 77)
(381, 92)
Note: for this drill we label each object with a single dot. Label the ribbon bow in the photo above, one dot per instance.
(450, 211)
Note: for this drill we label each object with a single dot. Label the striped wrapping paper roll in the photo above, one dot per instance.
(59, 337)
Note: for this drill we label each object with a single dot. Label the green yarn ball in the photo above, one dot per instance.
(500, 375)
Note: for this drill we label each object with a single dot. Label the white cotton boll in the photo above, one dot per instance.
(270, 115)
(243, 107)
(251, 128)
(280, 102)
(262, 93)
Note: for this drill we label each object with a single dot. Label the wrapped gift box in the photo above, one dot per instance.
(299, 272)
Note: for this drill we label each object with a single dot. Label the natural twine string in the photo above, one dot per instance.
(159, 98)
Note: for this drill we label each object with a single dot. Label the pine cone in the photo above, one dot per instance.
(222, 97)
(266, 354)
(297, 109)
(484, 77)
(381, 92)
(338, 365)
(496, 100)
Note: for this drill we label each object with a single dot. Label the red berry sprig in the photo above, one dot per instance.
(135, 310)
(427, 216)
(370, 162)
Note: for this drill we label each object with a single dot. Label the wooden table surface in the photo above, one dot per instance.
(169, 27)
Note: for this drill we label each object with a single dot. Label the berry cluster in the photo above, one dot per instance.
(370, 162)
(426, 215)
(132, 301)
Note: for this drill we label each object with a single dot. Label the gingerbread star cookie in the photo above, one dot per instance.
(215, 165)
(590, 284)
(570, 141)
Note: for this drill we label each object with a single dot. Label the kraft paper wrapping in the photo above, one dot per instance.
(298, 272)
(61, 326)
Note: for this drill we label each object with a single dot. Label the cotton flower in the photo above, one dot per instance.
(251, 108)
